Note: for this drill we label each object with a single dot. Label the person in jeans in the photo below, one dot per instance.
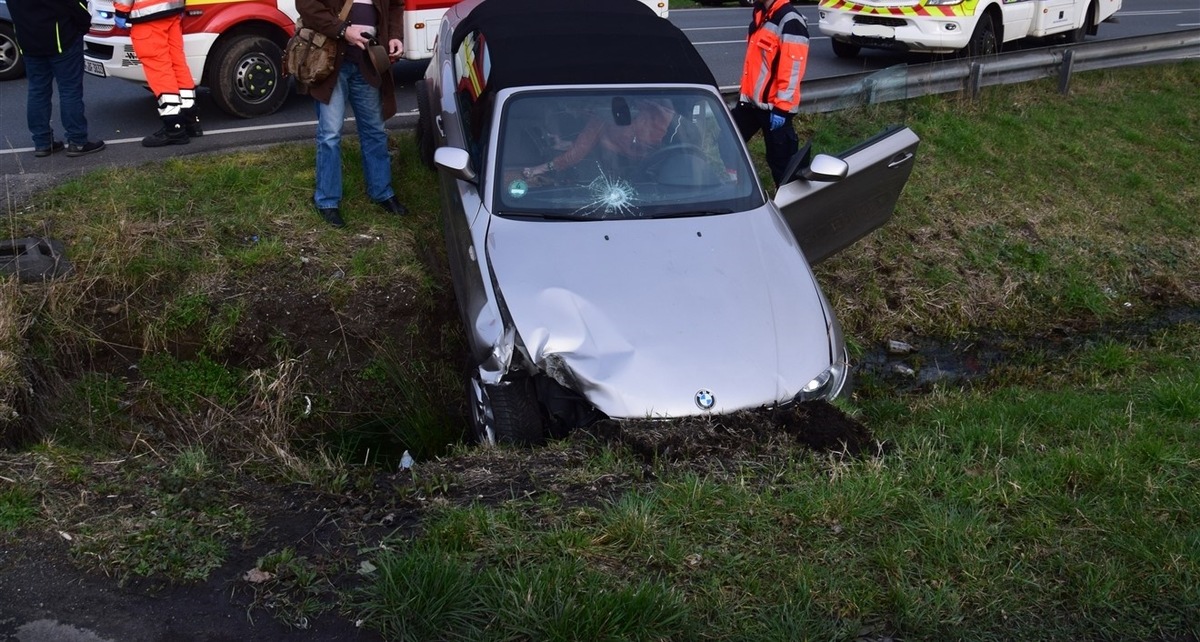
(370, 94)
(50, 34)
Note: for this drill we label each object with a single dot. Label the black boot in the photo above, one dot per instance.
(172, 133)
(191, 123)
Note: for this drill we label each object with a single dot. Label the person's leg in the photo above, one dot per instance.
(330, 118)
(782, 144)
(151, 44)
(366, 102)
(748, 119)
(39, 75)
(183, 78)
(68, 73)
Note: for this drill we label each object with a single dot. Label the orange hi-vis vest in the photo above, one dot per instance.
(136, 11)
(776, 55)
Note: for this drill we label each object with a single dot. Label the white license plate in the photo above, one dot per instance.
(94, 67)
(873, 31)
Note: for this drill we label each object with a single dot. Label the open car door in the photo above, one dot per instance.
(827, 216)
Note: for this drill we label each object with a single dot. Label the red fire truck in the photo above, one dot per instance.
(234, 47)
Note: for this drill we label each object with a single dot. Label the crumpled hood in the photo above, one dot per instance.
(645, 314)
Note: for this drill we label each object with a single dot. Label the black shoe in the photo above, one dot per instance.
(331, 215)
(167, 136)
(56, 146)
(393, 206)
(85, 149)
(191, 123)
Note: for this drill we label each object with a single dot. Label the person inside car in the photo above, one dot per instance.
(612, 137)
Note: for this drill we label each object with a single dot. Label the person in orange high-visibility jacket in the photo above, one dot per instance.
(776, 55)
(155, 26)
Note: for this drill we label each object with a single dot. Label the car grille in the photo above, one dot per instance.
(103, 52)
(879, 20)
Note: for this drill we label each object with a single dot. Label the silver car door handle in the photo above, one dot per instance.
(900, 161)
(438, 121)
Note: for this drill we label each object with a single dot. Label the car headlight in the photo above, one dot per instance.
(826, 385)
(942, 3)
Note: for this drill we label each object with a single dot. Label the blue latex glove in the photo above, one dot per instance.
(776, 121)
(120, 22)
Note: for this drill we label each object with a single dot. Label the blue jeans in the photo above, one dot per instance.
(43, 72)
(367, 104)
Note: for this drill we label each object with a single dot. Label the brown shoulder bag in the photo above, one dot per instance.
(311, 56)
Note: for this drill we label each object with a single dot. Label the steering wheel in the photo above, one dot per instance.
(678, 155)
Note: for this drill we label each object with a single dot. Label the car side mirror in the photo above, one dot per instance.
(823, 168)
(826, 169)
(456, 161)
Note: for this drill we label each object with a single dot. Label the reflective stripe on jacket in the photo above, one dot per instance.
(49, 27)
(776, 55)
(144, 10)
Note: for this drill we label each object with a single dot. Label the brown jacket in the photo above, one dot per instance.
(322, 15)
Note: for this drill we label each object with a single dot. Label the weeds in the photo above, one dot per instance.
(217, 339)
(17, 506)
(291, 587)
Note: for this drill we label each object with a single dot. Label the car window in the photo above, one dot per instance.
(614, 154)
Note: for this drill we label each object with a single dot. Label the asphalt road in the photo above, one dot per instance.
(121, 113)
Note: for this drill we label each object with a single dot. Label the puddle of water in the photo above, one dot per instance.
(928, 361)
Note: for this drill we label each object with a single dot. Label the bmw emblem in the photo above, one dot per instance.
(705, 399)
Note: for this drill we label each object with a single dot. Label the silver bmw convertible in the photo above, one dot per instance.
(613, 251)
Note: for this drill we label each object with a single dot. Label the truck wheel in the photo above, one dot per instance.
(245, 76)
(426, 142)
(506, 413)
(12, 65)
(983, 42)
(845, 49)
(1077, 35)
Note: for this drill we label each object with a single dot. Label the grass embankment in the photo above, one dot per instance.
(217, 346)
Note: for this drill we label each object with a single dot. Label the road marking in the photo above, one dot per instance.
(218, 132)
(743, 41)
(1172, 12)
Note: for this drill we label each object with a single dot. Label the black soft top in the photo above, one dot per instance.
(573, 42)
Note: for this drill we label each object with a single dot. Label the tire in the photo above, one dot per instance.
(426, 142)
(845, 49)
(506, 413)
(245, 75)
(746, 3)
(983, 41)
(12, 63)
(1077, 35)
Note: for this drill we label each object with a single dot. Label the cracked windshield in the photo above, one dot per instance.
(620, 154)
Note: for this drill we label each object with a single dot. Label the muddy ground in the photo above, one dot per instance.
(47, 591)
(41, 581)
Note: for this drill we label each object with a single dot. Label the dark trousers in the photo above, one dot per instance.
(782, 143)
(43, 72)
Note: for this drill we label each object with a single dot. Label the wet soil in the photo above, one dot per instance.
(45, 585)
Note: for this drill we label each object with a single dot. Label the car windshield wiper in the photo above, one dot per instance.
(690, 213)
(542, 216)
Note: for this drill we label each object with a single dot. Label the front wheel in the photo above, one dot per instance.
(506, 413)
(245, 75)
(12, 64)
(426, 141)
(844, 49)
(1077, 35)
(983, 41)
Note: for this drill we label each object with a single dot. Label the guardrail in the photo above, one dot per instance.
(971, 75)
